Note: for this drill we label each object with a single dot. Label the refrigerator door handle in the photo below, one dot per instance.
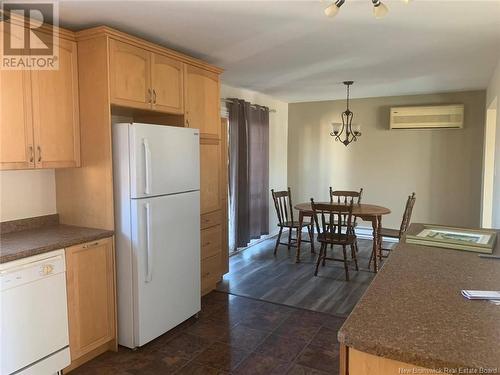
(147, 166)
(149, 246)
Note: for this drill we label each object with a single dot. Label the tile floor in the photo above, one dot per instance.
(234, 335)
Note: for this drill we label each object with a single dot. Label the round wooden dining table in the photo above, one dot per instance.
(366, 212)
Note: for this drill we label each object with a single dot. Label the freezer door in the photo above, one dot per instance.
(163, 160)
(166, 263)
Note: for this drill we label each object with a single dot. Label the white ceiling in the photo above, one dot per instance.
(290, 50)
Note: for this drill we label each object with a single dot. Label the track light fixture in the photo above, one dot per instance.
(379, 8)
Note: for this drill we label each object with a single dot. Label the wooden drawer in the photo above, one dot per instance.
(211, 219)
(211, 241)
(210, 272)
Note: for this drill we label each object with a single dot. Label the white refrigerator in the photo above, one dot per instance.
(157, 222)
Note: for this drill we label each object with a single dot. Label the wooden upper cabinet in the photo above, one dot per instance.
(203, 101)
(145, 80)
(55, 111)
(130, 75)
(16, 128)
(90, 274)
(167, 83)
(39, 125)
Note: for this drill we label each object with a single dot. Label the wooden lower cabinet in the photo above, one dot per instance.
(90, 276)
(211, 241)
(210, 273)
(211, 250)
(361, 363)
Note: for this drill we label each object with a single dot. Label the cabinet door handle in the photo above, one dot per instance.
(32, 156)
(154, 96)
(39, 149)
(86, 246)
(149, 247)
(150, 96)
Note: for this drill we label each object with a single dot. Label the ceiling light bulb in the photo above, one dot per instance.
(332, 10)
(379, 9)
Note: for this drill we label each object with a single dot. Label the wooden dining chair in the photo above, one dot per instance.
(284, 210)
(405, 222)
(345, 197)
(325, 216)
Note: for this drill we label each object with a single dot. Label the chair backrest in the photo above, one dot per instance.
(283, 204)
(327, 214)
(407, 214)
(345, 196)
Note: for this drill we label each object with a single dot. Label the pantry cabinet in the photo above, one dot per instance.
(213, 196)
(90, 273)
(39, 115)
(145, 80)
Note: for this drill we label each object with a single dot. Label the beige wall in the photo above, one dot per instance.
(493, 93)
(442, 166)
(26, 194)
(278, 127)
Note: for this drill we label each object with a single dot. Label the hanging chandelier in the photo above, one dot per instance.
(346, 130)
(379, 8)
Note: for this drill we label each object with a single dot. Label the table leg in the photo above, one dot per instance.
(312, 235)
(379, 240)
(374, 255)
(299, 236)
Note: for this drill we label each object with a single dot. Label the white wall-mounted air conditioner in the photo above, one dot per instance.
(428, 117)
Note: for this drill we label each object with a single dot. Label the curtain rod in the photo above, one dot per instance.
(225, 100)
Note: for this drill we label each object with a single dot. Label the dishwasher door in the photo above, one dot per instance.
(34, 315)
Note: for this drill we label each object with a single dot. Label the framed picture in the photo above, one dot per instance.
(478, 240)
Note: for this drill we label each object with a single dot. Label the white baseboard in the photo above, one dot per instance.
(256, 241)
(365, 233)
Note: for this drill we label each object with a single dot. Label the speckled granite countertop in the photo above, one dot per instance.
(413, 311)
(28, 242)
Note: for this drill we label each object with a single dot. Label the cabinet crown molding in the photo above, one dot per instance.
(100, 31)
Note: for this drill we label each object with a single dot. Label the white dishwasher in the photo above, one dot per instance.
(34, 315)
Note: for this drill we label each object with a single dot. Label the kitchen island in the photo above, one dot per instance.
(413, 318)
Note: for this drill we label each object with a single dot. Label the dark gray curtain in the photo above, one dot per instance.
(248, 172)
